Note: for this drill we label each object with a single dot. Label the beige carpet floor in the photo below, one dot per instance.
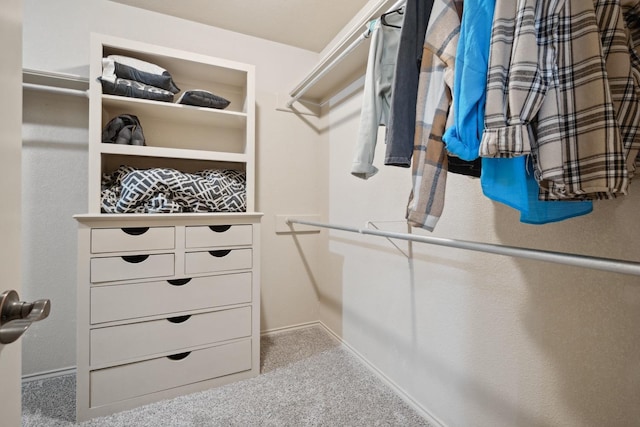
(307, 379)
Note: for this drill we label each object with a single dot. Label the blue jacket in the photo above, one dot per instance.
(470, 80)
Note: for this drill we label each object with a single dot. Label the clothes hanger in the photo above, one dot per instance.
(383, 17)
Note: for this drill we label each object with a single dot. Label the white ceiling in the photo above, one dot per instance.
(308, 24)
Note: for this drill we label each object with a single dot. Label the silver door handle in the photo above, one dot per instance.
(16, 316)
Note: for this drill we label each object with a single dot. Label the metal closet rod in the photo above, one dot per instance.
(365, 35)
(597, 263)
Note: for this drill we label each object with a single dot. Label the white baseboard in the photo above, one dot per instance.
(290, 328)
(389, 382)
(49, 374)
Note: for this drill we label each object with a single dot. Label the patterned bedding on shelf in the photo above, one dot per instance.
(163, 190)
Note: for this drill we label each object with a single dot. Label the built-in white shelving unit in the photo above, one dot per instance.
(168, 303)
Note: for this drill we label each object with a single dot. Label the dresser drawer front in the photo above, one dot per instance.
(125, 342)
(110, 269)
(105, 240)
(212, 261)
(218, 235)
(136, 379)
(130, 301)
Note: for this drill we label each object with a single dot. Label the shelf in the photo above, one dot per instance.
(178, 136)
(344, 73)
(172, 153)
(184, 114)
(345, 59)
(187, 66)
(160, 219)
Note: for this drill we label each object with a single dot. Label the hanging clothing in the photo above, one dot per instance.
(469, 89)
(402, 122)
(510, 181)
(458, 166)
(430, 164)
(623, 78)
(377, 92)
(506, 180)
(631, 13)
(558, 106)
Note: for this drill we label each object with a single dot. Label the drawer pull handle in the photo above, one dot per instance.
(135, 259)
(135, 231)
(179, 319)
(219, 228)
(179, 282)
(179, 356)
(220, 254)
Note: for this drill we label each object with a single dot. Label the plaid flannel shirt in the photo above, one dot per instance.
(623, 76)
(555, 105)
(430, 166)
(631, 13)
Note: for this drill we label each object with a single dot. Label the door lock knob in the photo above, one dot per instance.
(16, 316)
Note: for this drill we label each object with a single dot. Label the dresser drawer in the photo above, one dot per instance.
(136, 379)
(131, 239)
(134, 267)
(118, 302)
(218, 235)
(212, 261)
(120, 343)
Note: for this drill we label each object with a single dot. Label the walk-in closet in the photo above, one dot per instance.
(280, 213)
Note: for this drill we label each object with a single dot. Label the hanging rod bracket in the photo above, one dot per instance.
(407, 254)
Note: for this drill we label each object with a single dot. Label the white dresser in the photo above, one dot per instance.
(168, 304)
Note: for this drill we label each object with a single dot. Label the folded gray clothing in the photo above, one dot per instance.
(137, 70)
(133, 89)
(203, 98)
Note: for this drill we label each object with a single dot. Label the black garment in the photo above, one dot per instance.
(463, 167)
(402, 123)
(203, 98)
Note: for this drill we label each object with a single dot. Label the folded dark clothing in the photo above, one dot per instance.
(203, 98)
(163, 81)
(133, 89)
(137, 70)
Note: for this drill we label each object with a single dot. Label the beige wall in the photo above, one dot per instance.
(56, 39)
(472, 339)
(480, 340)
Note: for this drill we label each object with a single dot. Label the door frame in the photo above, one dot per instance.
(10, 214)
